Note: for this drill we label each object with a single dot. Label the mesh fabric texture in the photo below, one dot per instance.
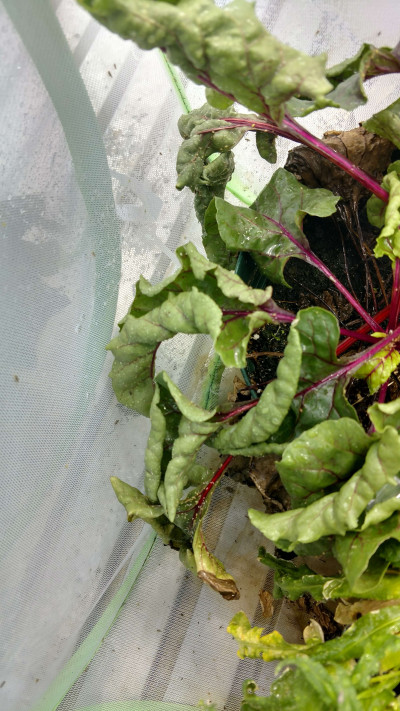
(88, 142)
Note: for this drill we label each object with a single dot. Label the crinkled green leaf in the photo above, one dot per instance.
(139, 506)
(169, 408)
(224, 287)
(382, 414)
(178, 430)
(135, 347)
(322, 457)
(181, 470)
(165, 417)
(372, 660)
(286, 201)
(205, 161)
(259, 450)
(383, 504)
(387, 215)
(337, 512)
(355, 549)
(209, 569)
(333, 688)
(253, 644)
(326, 675)
(319, 337)
(227, 47)
(291, 580)
(136, 504)
(378, 369)
(213, 244)
(369, 586)
(189, 301)
(348, 77)
(265, 143)
(288, 693)
(266, 417)
(386, 123)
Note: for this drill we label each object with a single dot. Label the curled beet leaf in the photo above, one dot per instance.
(265, 419)
(340, 511)
(190, 301)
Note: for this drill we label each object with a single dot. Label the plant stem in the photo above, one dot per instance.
(366, 355)
(395, 300)
(383, 391)
(293, 131)
(348, 342)
(221, 417)
(357, 335)
(307, 139)
(312, 258)
(282, 316)
(210, 485)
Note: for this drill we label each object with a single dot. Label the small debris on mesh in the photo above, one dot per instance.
(267, 603)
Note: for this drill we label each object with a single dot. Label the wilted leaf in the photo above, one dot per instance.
(209, 569)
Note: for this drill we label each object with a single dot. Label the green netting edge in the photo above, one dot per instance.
(85, 653)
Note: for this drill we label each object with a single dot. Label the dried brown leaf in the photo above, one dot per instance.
(366, 150)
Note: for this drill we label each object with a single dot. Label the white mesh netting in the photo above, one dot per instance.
(88, 141)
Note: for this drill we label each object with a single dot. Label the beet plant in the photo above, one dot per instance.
(329, 413)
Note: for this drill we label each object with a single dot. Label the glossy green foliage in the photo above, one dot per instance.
(321, 458)
(279, 209)
(340, 511)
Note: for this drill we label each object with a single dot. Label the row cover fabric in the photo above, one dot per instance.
(88, 141)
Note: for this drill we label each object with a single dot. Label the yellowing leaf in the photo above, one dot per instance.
(378, 369)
